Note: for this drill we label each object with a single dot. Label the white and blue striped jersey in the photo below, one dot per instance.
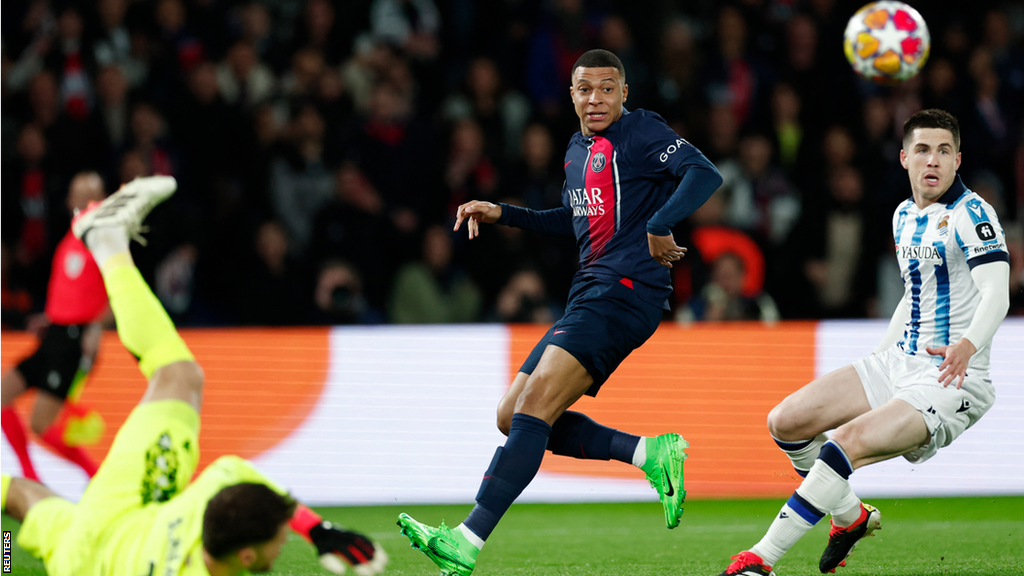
(937, 248)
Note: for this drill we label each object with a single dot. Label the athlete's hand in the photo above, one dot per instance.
(338, 548)
(954, 363)
(664, 249)
(476, 212)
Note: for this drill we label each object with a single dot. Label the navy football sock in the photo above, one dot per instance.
(512, 468)
(575, 434)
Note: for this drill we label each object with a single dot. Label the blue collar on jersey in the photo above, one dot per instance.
(956, 190)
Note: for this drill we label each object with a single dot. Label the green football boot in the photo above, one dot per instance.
(664, 469)
(449, 549)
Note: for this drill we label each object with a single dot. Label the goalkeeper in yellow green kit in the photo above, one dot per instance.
(140, 515)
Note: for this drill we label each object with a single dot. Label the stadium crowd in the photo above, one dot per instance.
(322, 146)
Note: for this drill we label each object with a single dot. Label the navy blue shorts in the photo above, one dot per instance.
(603, 322)
(54, 366)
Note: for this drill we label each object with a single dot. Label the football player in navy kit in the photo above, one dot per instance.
(629, 179)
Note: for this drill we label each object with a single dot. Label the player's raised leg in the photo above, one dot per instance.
(576, 435)
(142, 323)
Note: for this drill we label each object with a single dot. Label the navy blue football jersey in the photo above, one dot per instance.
(617, 183)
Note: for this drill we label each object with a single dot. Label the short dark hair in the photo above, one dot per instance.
(599, 59)
(932, 118)
(243, 515)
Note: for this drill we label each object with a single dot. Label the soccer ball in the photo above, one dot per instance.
(886, 42)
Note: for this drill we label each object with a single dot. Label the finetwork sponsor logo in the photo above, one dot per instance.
(988, 248)
(930, 253)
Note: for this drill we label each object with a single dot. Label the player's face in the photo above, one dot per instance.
(598, 95)
(268, 552)
(931, 160)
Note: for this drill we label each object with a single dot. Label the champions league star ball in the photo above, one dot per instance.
(886, 42)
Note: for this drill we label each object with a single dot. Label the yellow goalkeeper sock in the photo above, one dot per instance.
(142, 323)
(5, 482)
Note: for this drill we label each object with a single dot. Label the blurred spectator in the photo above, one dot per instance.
(885, 180)
(205, 127)
(301, 181)
(722, 132)
(838, 249)
(500, 112)
(469, 172)
(353, 226)
(789, 133)
(112, 108)
(303, 78)
(760, 199)
(537, 178)
(113, 46)
(16, 300)
(339, 296)
(434, 290)
(723, 299)
(412, 25)
(270, 291)
(151, 140)
(30, 203)
(733, 78)
(677, 86)
(320, 31)
(397, 150)
(255, 30)
(243, 79)
(174, 280)
(524, 299)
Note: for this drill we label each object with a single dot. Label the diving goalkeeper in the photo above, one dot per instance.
(140, 514)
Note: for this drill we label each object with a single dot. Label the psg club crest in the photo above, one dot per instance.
(598, 161)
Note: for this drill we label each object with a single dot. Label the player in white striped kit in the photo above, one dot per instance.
(925, 383)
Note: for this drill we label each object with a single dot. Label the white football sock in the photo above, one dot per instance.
(822, 490)
(786, 529)
(847, 511)
(640, 454)
(104, 242)
(471, 536)
(804, 458)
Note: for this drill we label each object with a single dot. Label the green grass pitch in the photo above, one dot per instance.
(924, 536)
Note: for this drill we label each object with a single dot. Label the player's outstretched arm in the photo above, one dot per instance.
(992, 280)
(339, 548)
(476, 211)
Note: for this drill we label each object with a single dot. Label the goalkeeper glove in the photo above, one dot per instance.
(338, 547)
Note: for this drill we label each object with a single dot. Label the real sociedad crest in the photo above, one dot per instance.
(943, 225)
(597, 162)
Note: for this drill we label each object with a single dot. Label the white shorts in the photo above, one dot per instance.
(947, 411)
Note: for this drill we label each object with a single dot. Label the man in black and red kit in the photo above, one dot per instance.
(76, 303)
(629, 179)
